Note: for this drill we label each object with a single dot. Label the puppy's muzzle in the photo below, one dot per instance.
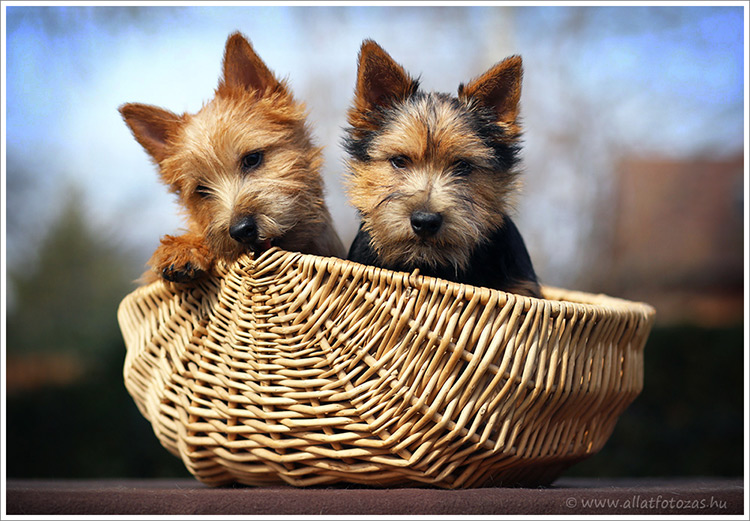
(426, 224)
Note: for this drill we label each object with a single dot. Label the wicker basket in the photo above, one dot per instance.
(310, 370)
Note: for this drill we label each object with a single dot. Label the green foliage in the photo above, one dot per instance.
(66, 299)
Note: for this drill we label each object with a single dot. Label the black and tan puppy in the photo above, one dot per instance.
(433, 176)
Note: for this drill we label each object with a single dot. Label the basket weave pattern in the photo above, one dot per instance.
(310, 370)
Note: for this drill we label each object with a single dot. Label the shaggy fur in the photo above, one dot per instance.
(244, 168)
(433, 176)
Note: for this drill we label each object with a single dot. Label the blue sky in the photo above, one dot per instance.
(652, 81)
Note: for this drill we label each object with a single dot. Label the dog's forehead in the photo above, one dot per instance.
(221, 124)
(434, 125)
(232, 127)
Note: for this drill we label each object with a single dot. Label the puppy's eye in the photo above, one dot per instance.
(202, 191)
(252, 160)
(462, 167)
(400, 162)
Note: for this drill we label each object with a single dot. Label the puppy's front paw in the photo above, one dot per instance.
(180, 259)
(181, 273)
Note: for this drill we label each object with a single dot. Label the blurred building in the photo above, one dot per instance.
(678, 238)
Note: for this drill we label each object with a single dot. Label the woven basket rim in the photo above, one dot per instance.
(560, 299)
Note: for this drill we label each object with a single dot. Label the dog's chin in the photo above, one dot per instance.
(424, 254)
(261, 245)
(233, 250)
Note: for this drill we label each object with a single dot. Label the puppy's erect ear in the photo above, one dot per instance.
(152, 127)
(243, 68)
(498, 89)
(380, 80)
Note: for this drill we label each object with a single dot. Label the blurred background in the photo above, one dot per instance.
(634, 170)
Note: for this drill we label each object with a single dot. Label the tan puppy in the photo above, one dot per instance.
(244, 168)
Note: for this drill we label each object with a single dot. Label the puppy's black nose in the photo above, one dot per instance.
(426, 224)
(244, 230)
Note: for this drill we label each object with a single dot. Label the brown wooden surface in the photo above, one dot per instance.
(187, 496)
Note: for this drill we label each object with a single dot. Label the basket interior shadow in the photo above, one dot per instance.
(307, 370)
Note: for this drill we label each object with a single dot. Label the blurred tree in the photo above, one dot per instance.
(24, 213)
(64, 300)
(69, 415)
